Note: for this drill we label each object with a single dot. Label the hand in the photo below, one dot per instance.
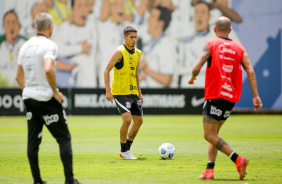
(85, 47)
(142, 65)
(213, 5)
(142, 77)
(58, 96)
(191, 80)
(141, 98)
(257, 103)
(109, 96)
(71, 66)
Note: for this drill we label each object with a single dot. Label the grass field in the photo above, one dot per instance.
(95, 141)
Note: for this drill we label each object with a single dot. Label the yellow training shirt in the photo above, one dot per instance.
(124, 75)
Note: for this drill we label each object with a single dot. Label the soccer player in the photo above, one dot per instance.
(223, 86)
(36, 77)
(125, 89)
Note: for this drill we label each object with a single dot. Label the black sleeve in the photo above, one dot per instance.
(120, 64)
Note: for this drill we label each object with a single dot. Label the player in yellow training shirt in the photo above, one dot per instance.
(125, 89)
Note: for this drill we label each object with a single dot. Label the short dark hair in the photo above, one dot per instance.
(13, 12)
(203, 2)
(129, 29)
(164, 16)
(72, 3)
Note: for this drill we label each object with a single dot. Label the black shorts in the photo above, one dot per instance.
(129, 103)
(218, 109)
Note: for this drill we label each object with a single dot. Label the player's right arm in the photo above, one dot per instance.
(206, 53)
(20, 76)
(116, 57)
(246, 63)
(51, 78)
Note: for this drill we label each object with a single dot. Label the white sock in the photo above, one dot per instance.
(231, 154)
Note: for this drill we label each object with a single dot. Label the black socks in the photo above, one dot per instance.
(126, 146)
(123, 147)
(210, 165)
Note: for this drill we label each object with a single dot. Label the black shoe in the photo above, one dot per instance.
(43, 182)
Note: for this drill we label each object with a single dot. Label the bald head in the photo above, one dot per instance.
(223, 24)
(42, 21)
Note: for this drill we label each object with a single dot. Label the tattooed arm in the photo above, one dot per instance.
(246, 63)
(200, 63)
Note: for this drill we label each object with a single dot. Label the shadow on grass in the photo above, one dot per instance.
(141, 159)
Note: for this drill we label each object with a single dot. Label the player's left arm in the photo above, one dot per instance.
(205, 55)
(137, 80)
(20, 77)
(246, 63)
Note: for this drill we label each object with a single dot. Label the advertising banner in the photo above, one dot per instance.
(93, 102)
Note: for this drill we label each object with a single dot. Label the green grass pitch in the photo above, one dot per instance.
(95, 142)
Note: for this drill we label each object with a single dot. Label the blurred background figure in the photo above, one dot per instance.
(60, 11)
(22, 8)
(63, 65)
(158, 68)
(193, 45)
(10, 44)
(77, 43)
(221, 8)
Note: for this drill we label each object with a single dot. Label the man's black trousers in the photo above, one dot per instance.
(51, 114)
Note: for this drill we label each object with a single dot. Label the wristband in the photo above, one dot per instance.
(255, 96)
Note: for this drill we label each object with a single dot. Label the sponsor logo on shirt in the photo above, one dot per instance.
(132, 68)
(132, 75)
(226, 94)
(133, 87)
(227, 78)
(51, 119)
(226, 58)
(227, 68)
(227, 87)
(223, 49)
(215, 111)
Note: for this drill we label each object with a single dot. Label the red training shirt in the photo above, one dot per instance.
(224, 74)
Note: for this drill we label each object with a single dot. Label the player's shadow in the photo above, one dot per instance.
(165, 159)
(141, 159)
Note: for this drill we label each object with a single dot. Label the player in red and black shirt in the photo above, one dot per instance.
(223, 85)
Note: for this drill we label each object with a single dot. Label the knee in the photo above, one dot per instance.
(140, 122)
(127, 120)
(66, 139)
(208, 137)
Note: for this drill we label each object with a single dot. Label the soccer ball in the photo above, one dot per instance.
(166, 151)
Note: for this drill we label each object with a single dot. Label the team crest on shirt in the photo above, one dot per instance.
(128, 105)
